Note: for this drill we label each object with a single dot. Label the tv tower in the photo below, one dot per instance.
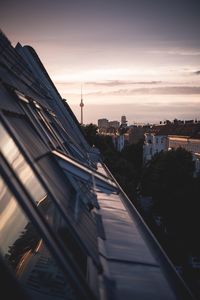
(81, 105)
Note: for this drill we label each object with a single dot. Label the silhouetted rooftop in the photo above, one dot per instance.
(186, 130)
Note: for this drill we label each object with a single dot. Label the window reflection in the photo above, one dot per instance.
(20, 166)
(25, 253)
(44, 202)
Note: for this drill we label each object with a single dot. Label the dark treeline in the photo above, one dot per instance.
(168, 179)
(125, 165)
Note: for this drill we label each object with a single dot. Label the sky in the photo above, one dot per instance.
(139, 58)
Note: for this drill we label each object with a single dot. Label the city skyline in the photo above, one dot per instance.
(135, 58)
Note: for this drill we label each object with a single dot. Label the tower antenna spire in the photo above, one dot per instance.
(81, 104)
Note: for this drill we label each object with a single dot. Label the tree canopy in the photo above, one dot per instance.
(125, 165)
(168, 178)
(167, 173)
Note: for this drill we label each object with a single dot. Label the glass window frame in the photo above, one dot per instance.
(33, 213)
(53, 245)
(47, 187)
(29, 112)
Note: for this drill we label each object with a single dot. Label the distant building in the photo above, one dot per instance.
(103, 124)
(114, 124)
(172, 136)
(123, 121)
(155, 141)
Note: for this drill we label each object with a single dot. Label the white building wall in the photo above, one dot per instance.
(154, 144)
(103, 123)
(120, 142)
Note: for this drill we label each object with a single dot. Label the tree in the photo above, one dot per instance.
(90, 132)
(125, 165)
(167, 173)
(169, 180)
(134, 154)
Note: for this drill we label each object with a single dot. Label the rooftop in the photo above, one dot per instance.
(186, 130)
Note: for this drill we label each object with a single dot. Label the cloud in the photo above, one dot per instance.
(171, 90)
(112, 83)
(177, 52)
(64, 82)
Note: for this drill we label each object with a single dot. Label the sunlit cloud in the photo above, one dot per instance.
(89, 75)
(107, 74)
(171, 90)
(109, 83)
(177, 52)
(113, 83)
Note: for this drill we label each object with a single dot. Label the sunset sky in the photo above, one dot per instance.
(140, 58)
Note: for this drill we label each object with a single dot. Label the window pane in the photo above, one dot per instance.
(26, 255)
(20, 166)
(44, 202)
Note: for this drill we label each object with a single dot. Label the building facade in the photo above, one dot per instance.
(114, 124)
(103, 124)
(154, 142)
(172, 136)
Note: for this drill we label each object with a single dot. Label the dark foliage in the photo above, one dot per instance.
(125, 165)
(168, 178)
(90, 132)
